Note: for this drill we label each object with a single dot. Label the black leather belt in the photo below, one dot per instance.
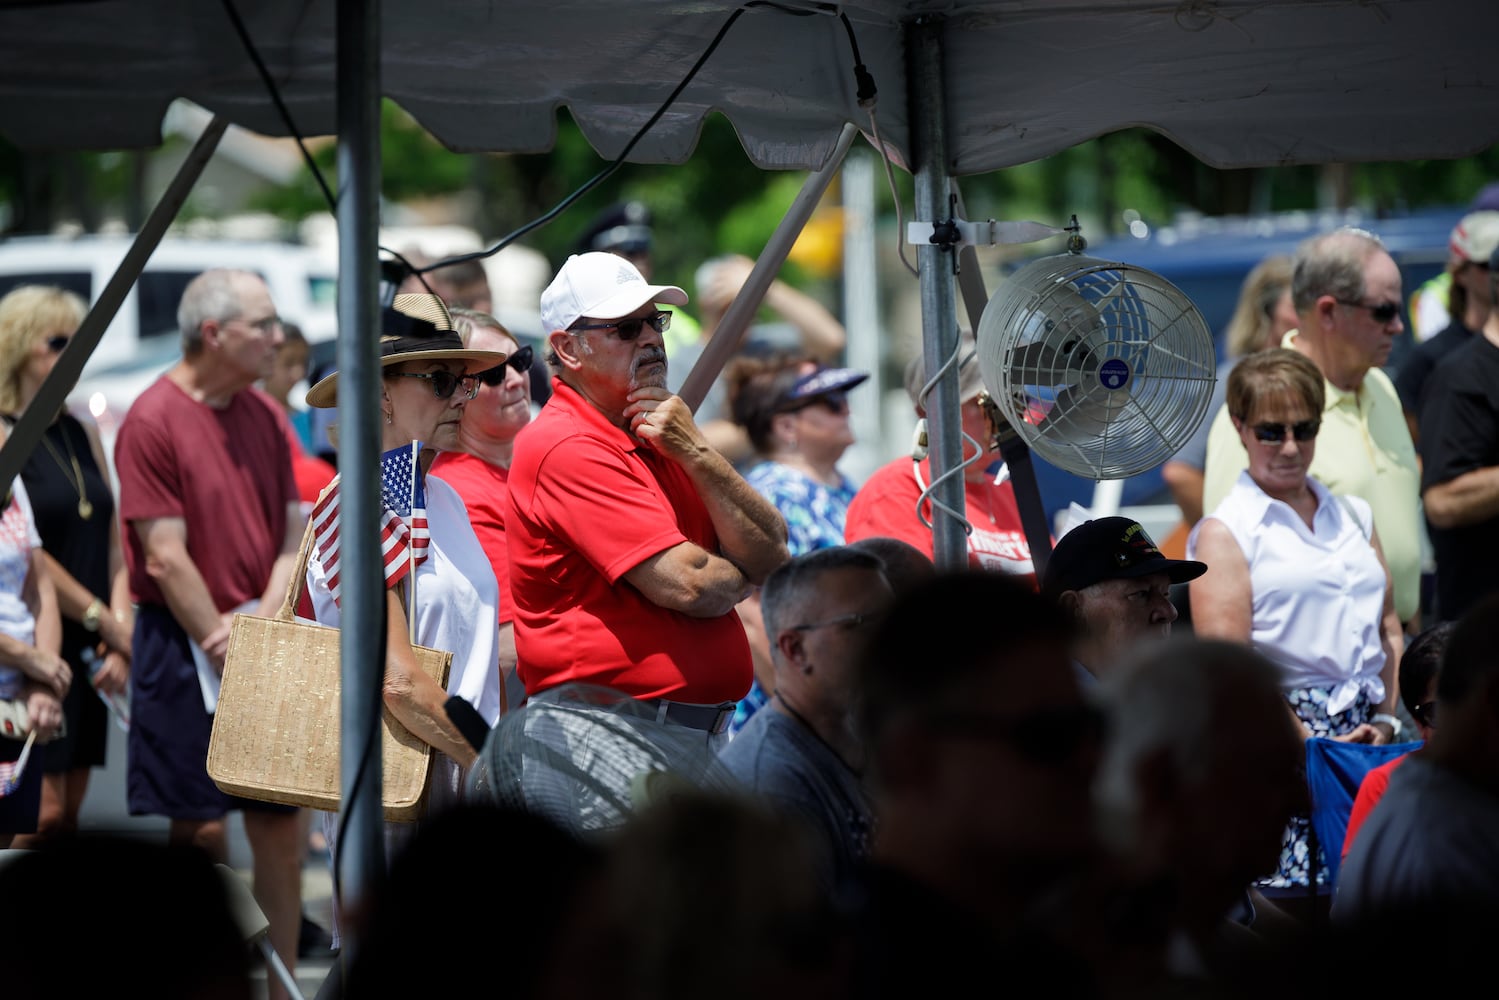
(713, 719)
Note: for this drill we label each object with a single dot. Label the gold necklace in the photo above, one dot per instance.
(85, 509)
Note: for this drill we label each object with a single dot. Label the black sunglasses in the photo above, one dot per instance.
(1049, 737)
(58, 343)
(835, 401)
(1302, 430)
(520, 361)
(444, 384)
(628, 329)
(1382, 313)
(1425, 713)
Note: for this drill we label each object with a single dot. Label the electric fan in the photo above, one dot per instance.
(1104, 369)
(587, 757)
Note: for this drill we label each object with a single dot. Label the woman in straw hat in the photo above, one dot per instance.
(427, 379)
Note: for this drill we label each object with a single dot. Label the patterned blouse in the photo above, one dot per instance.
(814, 513)
(814, 516)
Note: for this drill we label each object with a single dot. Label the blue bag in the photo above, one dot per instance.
(1334, 770)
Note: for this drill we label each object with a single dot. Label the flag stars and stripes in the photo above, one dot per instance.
(404, 538)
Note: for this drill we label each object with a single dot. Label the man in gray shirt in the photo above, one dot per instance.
(800, 751)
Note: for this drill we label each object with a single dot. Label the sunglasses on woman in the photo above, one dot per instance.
(1303, 430)
(519, 362)
(835, 402)
(444, 384)
(57, 343)
(628, 329)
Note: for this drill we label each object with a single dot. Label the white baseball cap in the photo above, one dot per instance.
(601, 285)
(1476, 237)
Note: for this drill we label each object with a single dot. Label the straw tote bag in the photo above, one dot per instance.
(276, 732)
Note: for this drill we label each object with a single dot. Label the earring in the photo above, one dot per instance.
(389, 417)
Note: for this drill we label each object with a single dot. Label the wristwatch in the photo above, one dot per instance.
(1392, 721)
(92, 614)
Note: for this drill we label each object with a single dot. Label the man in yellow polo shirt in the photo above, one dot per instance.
(1346, 290)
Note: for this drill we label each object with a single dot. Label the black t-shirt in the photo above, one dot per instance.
(1410, 381)
(1460, 433)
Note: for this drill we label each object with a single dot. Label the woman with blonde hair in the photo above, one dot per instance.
(67, 481)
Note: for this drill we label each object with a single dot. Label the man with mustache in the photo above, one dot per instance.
(630, 539)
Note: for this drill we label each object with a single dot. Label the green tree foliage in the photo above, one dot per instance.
(412, 165)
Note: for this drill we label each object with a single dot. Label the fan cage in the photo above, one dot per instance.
(588, 757)
(1104, 369)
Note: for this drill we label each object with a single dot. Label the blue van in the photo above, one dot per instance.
(1208, 259)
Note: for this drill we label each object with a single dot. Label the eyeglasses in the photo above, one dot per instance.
(628, 329)
(264, 325)
(1382, 313)
(1049, 737)
(57, 343)
(519, 362)
(835, 402)
(1302, 430)
(444, 384)
(853, 621)
(1425, 713)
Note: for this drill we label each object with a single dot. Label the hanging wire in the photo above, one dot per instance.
(865, 88)
(928, 492)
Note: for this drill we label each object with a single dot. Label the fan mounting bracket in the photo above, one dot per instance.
(960, 232)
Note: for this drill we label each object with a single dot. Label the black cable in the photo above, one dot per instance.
(291, 127)
(270, 86)
(618, 161)
(866, 93)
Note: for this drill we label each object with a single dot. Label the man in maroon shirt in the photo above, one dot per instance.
(212, 520)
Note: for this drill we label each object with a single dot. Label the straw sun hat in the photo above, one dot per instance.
(414, 328)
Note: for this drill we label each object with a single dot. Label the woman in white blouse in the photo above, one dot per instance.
(1298, 573)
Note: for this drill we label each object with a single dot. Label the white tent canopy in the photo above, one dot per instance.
(1236, 82)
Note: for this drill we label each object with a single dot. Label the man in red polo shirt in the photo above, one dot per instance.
(630, 539)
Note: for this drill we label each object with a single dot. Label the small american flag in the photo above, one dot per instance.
(404, 538)
(12, 771)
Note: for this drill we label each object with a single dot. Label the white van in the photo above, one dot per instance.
(143, 340)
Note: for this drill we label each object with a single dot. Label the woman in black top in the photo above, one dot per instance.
(67, 481)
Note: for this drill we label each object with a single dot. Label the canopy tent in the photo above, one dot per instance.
(964, 87)
(1236, 82)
